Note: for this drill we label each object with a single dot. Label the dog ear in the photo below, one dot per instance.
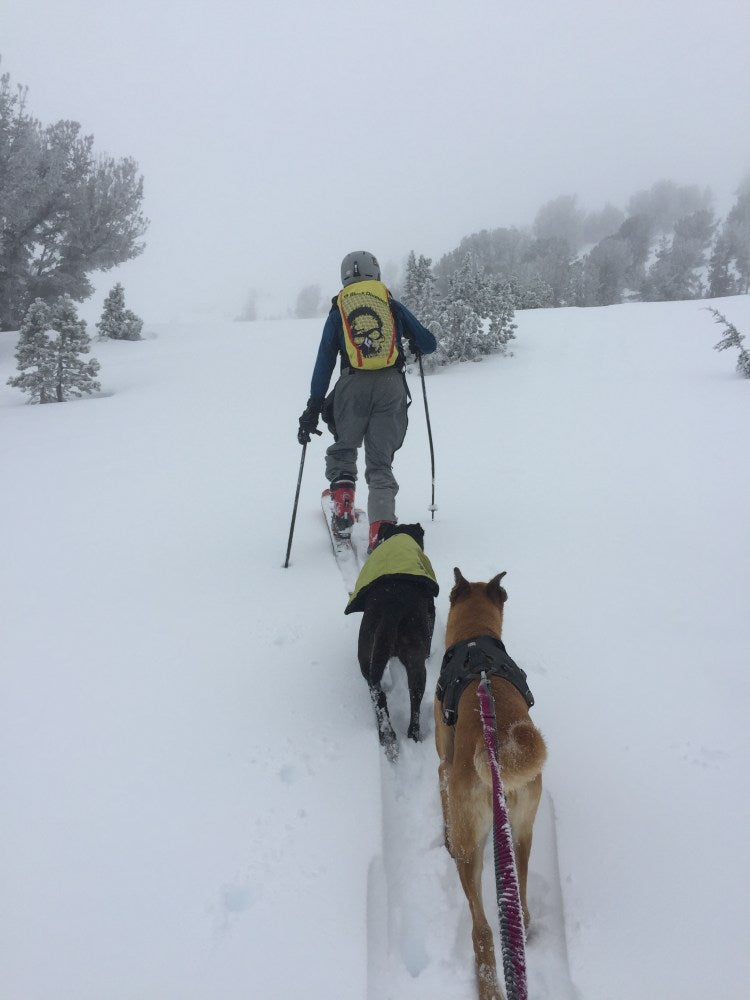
(418, 535)
(461, 588)
(415, 531)
(387, 530)
(494, 591)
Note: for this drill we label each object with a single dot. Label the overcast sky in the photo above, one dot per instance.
(274, 137)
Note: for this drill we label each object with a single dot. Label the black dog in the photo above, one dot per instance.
(396, 591)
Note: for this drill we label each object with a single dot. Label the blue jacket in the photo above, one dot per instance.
(332, 344)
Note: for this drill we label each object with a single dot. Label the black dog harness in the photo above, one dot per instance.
(465, 662)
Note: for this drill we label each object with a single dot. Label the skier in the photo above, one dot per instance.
(368, 329)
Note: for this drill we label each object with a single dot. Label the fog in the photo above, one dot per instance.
(275, 137)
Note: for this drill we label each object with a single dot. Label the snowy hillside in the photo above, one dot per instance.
(195, 806)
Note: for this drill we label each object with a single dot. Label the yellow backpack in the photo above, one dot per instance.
(369, 326)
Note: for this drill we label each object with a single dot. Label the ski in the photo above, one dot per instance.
(340, 546)
(350, 553)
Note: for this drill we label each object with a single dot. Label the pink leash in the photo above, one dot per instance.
(512, 935)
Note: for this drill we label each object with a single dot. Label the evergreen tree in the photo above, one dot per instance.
(732, 338)
(677, 272)
(475, 317)
(662, 283)
(605, 272)
(65, 211)
(502, 252)
(721, 281)
(35, 355)
(531, 291)
(117, 322)
(666, 202)
(501, 328)
(458, 322)
(561, 219)
(598, 225)
(548, 263)
(72, 376)
(737, 230)
(418, 294)
(51, 367)
(637, 232)
(460, 332)
(308, 304)
(410, 292)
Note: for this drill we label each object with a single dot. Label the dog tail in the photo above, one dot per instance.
(523, 753)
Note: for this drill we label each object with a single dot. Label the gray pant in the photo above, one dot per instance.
(369, 407)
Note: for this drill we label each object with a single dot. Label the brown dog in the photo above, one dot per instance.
(476, 613)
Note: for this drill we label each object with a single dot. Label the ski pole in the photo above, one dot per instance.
(296, 501)
(432, 506)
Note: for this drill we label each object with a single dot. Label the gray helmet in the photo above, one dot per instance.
(359, 266)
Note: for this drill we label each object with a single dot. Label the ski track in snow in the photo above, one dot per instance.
(413, 950)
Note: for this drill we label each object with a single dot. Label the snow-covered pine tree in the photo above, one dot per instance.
(72, 375)
(117, 322)
(737, 234)
(561, 219)
(65, 211)
(419, 293)
(677, 271)
(420, 297)
(461, 332)
(476, 316)
(732, 338)
(529, 292)
(419, 287)
(410, 293)
(308, 305)
(729, 267)
(662, 282)
(721, 281)
(501, 314)
(461, 329)
(605, 270)
(35, 355)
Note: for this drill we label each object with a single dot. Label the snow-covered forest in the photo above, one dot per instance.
(668, 244)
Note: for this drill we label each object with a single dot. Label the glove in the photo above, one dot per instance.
(413, 347)
(308, 422)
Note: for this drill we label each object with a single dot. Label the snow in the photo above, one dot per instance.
(195, 806)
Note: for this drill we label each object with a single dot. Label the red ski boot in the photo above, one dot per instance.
(342, 498)
(373, 539)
